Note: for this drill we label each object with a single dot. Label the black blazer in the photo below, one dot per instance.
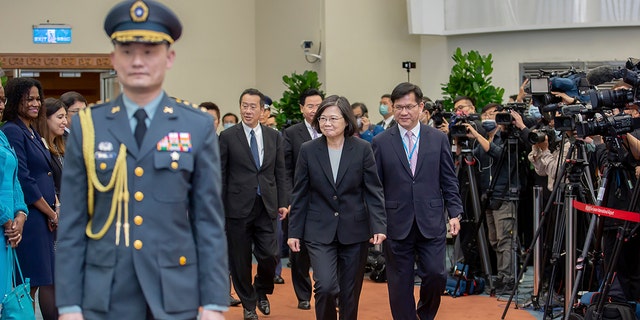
(350, 210)
(240, 177)
(294, 137)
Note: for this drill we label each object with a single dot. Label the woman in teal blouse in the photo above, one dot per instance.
(13, 210)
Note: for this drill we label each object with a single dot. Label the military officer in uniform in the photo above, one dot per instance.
(141, 232)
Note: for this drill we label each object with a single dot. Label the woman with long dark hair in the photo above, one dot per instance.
(51, 129)
(21, 113)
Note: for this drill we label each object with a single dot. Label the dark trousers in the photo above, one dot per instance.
(300, 278)
(338, 272)
(400, 257)
(257, 231)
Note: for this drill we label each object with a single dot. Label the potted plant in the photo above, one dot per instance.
(288, 108)
(471, 76)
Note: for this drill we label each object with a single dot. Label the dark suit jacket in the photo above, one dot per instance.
(175, 212)
(35, 163)
(423, 197)
(294, 137)
(240, 177)
(391, 124)
(351, 209)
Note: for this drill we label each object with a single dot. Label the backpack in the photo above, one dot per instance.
(612, 311)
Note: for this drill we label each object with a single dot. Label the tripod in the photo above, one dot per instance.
(572, 170)
(507, 193)
(467, 163)
(623, 233)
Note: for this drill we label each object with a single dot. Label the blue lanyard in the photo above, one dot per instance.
(406, 149)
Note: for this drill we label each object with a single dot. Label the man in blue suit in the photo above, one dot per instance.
(141, 234)
(416, 169)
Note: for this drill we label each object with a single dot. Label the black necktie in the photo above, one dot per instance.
(141, 126)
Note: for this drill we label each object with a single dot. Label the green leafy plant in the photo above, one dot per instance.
(3, 77)
(288, 108)
(471, 76)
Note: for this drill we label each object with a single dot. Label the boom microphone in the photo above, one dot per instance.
(602, 74)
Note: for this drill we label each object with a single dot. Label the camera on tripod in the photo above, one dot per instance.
(504, 116)
(458, 129)
(538, 135)
(608, 126)
(611, 99)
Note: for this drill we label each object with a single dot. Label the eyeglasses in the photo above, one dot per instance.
(408, 107)
(330, 119)
(246, 106)
(3, 100)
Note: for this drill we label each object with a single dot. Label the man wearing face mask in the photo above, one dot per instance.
(366, 130)
(385, 110)
(229, 120)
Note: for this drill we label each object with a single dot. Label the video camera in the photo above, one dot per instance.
(438, 115)
(571, 82)
(457, 129)
(608, 126)
(610, 99)
(504, 117)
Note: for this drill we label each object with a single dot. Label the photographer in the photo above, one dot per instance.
(433, 115)
(498, 160)
(366, 129)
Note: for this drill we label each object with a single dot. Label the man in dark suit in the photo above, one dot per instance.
(255, 193)
(386, 111)
(416, 169)
(294, 137)
(160, 253)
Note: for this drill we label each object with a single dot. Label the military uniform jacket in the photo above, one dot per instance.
(177, 250)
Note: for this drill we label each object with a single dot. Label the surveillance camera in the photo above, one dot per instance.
(306, 44)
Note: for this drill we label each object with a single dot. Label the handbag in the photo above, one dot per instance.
(17, 304)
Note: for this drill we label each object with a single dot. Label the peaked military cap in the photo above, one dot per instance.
(145, 21)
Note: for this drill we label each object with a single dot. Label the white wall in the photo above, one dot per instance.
(367, 40)
(281, 25)
(511, 48)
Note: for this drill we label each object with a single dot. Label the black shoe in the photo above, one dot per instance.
(233, 301)
(304, 305)
(250, 315)
(264, 306)
(278, 279)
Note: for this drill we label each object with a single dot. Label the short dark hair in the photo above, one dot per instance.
(362, 107)
(308, 93)
(460, 98)
(230, 114)
(71, 97)
(211, 106)
(252, 92)
(404, 89)
(17, 90)
(386, 95)
(345, 108)
(489, 106)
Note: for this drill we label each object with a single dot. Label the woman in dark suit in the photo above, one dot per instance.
(51, 128)
(337, 209)
(35, 253)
